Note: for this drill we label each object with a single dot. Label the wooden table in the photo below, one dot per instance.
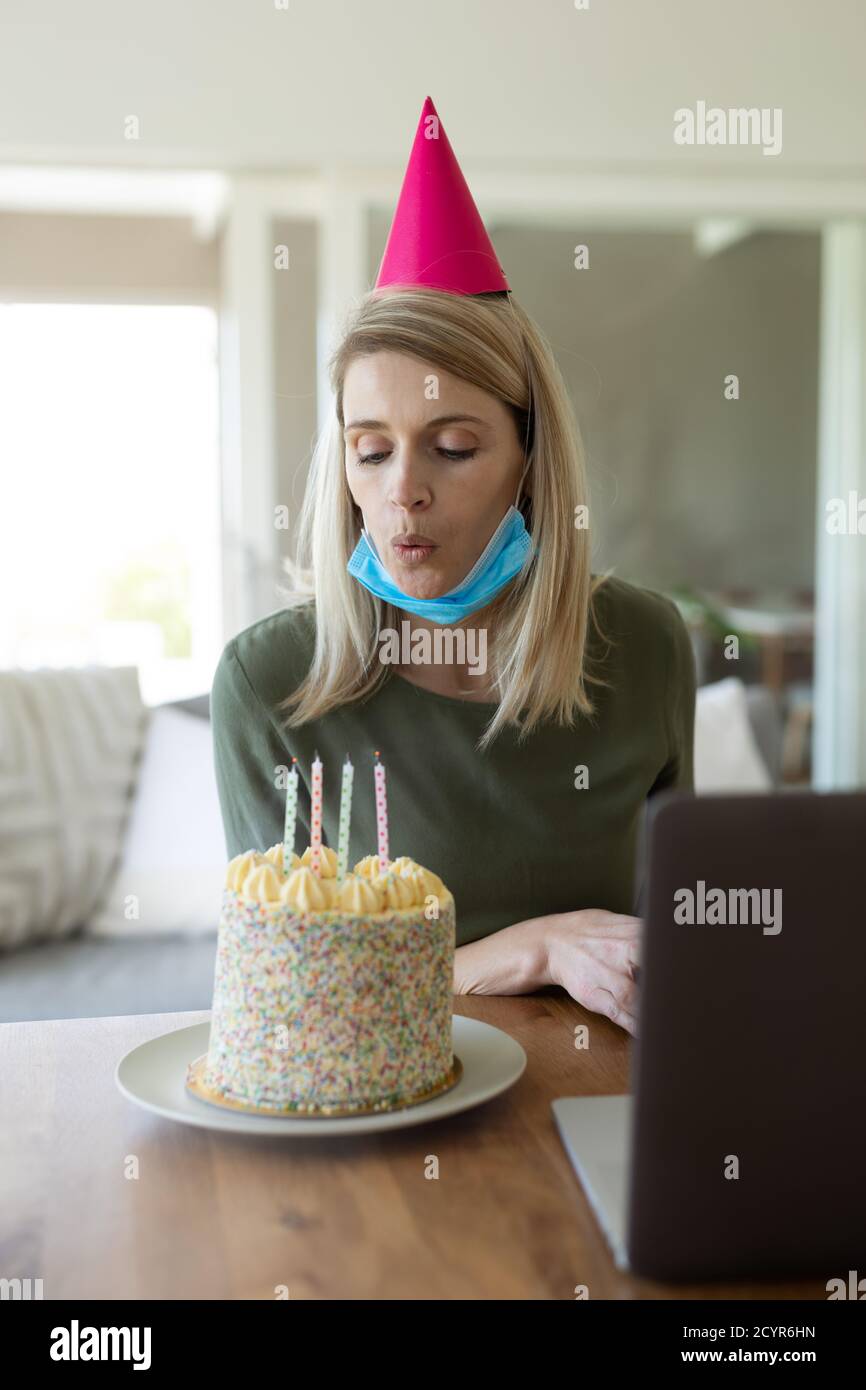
(227, 1216)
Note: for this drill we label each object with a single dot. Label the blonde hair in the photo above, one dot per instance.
(538, 624)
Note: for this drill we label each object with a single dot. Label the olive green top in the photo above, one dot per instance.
(511, 831)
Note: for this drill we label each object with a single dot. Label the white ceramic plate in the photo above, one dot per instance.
(153, 1075)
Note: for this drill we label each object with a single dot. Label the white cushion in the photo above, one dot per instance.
(69, 743)
(727, 758)
(174, 861)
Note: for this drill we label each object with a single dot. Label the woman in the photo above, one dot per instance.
(519, 778)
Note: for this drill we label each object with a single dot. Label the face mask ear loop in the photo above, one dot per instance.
(371, 543)
(467, 579)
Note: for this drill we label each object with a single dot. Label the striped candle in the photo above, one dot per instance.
(381, 814)
(316, 816)
(291, 816)
(345, 817)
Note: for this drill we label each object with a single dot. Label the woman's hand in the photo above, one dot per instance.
(510, 961)
(594, 954)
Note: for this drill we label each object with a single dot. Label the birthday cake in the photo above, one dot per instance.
(332, 993)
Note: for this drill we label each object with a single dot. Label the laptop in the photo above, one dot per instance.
(741, 1148)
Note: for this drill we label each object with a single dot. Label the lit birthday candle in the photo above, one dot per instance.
(316, 816)
(381, 814)
(345, 818)
(291, 815)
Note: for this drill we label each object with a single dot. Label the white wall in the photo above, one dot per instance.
(59, 257)
(235, 84)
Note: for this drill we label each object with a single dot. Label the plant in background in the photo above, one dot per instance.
(701, 612)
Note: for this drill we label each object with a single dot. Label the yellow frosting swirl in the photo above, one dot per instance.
(305, 890)
(360, 895)
(429, 882)
(368, 866)
(240, 868)
(364, 890)
(400, 891)
(274, 856)
(327, 860)
(263, 884)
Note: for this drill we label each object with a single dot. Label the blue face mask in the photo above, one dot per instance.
(501, 559)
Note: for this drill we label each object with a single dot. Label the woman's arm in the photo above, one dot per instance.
(592, 954)
(511, 961)
(678, 772)
(248, 751)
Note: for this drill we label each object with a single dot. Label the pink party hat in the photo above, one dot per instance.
(437, 238)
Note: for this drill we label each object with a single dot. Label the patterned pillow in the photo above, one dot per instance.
(70, 741)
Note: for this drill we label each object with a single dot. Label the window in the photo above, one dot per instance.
(109, 524)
